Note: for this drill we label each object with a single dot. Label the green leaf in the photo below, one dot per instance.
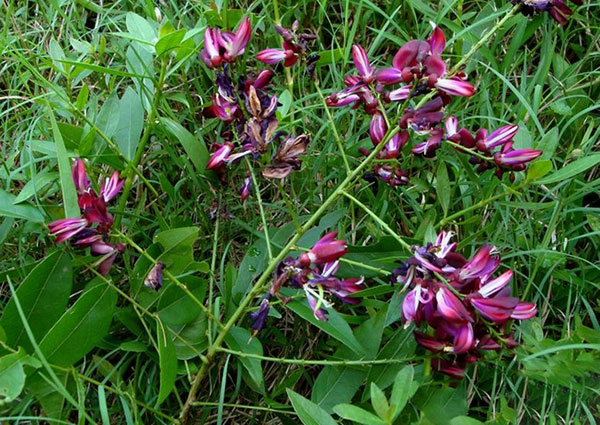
(23, 211)
(442, 187)
(401, 391)
(285, 99)
(169, 42)
(441, 405)
(356, 414)
(548, 144)
(175, 307)
(338, 384)
(108, 117)
(177, 247)
(57, 54)
(140, 28)
(12, 376)
(131, 123)
(379, 402)
(64, 169)
(308, 412)
(539, 169)
(36, 185)
(168, 362)
(194, 335)
(465, 420)
(43, 296)
(194, 148)
(82, 326)
(240, 339)
(572, 169)
(336, 326)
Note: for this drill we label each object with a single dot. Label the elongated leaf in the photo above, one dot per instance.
(572, 169)
(131, 122)
(402, 390)
(308, 412)
(442, 187)
(441, 405)
(35, 185)
(379, 401)
(82, 326)
(64, 169)
(12, 376)
(193, 146)
(168, 362)
(356, 414)
(23, 211)
(43, 296)
(240, 339)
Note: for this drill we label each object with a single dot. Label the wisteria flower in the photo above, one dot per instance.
(92, 229)
(466, 307)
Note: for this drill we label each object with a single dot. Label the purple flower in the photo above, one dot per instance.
(559, 11)
(245, 190)
(66, 228)
(211, 53)
(111, 187)
(498, 137)
(326, 250)
(154, 280)
(272, 56)
(220, 156)
(362, 64)
(259, 317)
(455, 86)
(516, 157)
(235, 45)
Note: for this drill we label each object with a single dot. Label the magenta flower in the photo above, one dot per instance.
(220, 156)
(66, 228)
(460, 301)
(498, 137)
(245, 190)
(516, 157)
(294, 47)
(362, 64)
(559, 11)
(455, 86)
(211, 54)
(326, 250)
(317, 282)
(272, 56)
(91, 230)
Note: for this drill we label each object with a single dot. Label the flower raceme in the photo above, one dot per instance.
(558, 9)
(467, 309)
(92, 229)
(248, 111)
(313, 272)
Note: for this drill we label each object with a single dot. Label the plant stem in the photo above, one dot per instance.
(338, 140)
(132, 165)
(259, 286)
(260, 208)
(379, 221)
(316, 362)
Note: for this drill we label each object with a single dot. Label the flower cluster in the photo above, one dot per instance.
(91, 230)
(559, 11)
(314, 273)
(418, 65)
(467, 309)
(248, 111)
(293, 47)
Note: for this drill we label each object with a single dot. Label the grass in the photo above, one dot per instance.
(73, 61)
